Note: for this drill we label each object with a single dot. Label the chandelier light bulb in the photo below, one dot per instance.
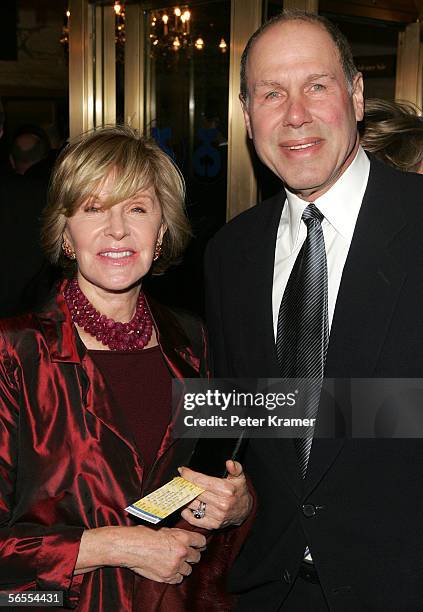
(68, 13)
(199, 44)
(222, 45)
(186, 15)
(176, 44)
(117, 7)
(177, 11)
(165, 19)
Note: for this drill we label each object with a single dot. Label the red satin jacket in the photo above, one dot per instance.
(68, 463)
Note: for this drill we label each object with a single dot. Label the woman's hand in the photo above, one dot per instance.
(228, 501)
(163, 555)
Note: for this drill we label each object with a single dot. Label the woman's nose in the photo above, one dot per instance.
(116, 225)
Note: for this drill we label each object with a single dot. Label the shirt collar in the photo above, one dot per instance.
(340, 205)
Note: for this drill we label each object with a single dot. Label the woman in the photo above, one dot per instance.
(393, 132)
(85, 389)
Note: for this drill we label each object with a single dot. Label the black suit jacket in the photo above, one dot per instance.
(366, 528)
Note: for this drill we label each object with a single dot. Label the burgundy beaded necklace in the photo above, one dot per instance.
(131, 336)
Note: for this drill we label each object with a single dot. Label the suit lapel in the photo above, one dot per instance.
(256, 280)
(370, 286)
(371, 283)
(258, 344)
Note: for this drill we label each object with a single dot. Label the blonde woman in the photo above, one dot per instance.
(393, 132)
(85, 394)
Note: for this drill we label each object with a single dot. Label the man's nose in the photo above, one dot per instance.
(116, 224)
(297, 112)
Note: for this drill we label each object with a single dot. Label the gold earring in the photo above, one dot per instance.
(68, 250)
(157, 250)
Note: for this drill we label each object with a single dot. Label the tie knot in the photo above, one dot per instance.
(312, 212)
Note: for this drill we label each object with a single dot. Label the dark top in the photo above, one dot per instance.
(141, 386)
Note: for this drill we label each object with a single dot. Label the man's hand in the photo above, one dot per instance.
(228, 501)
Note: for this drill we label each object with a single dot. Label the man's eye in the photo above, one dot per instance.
(317, 87)
(272, 95)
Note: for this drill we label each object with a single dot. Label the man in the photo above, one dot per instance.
(338, 528)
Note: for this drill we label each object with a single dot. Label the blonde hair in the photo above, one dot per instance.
(393, 132)
(136, 163)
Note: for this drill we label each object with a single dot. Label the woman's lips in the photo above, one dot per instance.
(117, 257)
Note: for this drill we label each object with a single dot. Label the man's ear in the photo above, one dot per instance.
(358, 96)
(246, 114)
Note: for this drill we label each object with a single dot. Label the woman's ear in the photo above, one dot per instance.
(67, 245)
(162, 232)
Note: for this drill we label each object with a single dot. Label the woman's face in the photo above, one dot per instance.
(114, 247)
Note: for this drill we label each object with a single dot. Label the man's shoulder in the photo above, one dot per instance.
(185, 327)
(252, 220)
(390, 179)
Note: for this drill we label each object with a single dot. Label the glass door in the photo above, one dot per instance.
(172, 71)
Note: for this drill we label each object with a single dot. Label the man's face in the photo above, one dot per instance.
(299, 113)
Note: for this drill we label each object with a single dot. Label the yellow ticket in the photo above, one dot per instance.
(165, 500)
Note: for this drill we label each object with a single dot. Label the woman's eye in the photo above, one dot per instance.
(138, 209)
(92, 209)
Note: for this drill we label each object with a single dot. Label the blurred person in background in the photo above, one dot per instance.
(393, 132)
(26, 276)
(30, 145)
(2, 117)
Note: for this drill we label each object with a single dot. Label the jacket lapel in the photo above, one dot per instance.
(176, 346)
(65, 346)
(256, 280)
(177, 351)
(258, 345)
(370, 286)
(371, 283)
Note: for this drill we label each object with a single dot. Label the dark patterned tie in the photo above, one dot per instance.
(303, 329)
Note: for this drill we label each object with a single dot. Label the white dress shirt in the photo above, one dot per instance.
(340, 206)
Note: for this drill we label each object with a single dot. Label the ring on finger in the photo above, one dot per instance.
(200, 512)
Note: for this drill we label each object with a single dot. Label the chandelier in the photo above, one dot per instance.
(170, 30)
(173, 30)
